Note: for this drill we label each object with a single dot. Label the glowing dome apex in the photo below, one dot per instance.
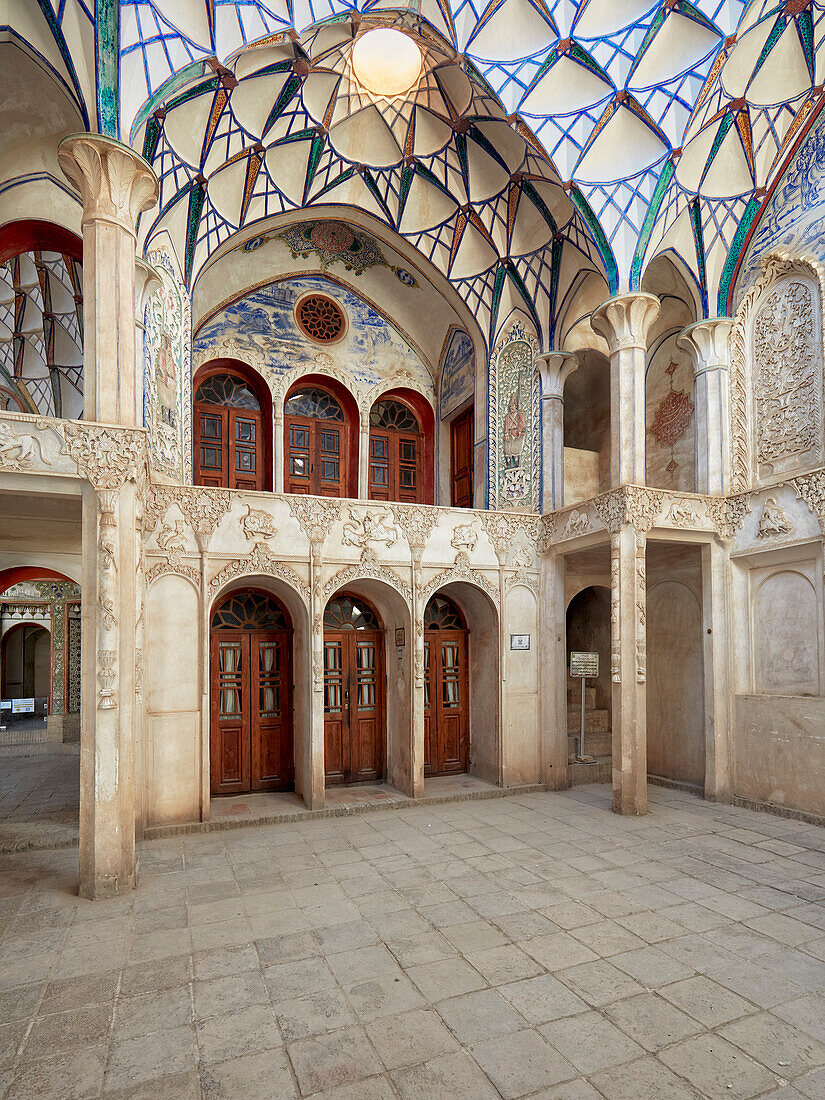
(386, 61)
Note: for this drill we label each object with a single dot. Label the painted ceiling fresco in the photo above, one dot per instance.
(614, 130)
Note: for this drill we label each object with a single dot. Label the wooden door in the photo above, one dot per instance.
(251, 731)
(316, 457)
(461, 460)
(446, 689)
(229, 435)
(353, 706)
(396, 442)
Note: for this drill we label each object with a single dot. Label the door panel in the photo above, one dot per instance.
(446, 703)
(272, 748)
(316, 457)
(251, 740)
(354, 728)
(461, 460)
(228, 447)
(230, 757)
(395, 466)
(334, 709)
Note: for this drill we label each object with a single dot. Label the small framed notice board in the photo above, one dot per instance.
(584, 664)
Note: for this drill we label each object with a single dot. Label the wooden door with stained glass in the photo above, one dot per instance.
(229, 437)
(251, 734)
(446, 702)
(395, 453)
(315, 431)
(354, 725)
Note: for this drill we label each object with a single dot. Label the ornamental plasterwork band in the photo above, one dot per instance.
(203, 508)
(368, 567)
(503, 527)
(261, 561)
(461, 570)
(107, 457)
(315, 516)
(811, 489)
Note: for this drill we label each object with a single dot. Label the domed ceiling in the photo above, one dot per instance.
(625, 128)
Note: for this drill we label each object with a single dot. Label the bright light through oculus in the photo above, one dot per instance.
(386, 61)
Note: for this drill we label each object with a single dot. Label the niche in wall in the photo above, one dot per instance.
(785, 631)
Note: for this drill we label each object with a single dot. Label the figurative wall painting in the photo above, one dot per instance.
(514, 406)
(262, 326)
(167, 373)
(458, 370)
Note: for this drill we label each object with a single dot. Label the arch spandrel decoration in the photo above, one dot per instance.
(261, 562)
(367, 568)
(461, 570)
(776, 387)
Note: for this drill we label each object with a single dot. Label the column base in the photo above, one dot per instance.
(99, 889)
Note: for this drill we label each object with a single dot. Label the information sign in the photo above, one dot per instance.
(519, 641)
(584, 664)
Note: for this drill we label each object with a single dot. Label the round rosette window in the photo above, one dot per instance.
(321, 318)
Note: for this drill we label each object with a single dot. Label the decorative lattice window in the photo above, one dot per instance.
(442, 614)
(350, 613)
(393, 415)
(249, 611)
(320, 318)
(313, 403)
(228, 391)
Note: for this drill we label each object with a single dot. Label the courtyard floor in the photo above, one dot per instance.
(530, 946)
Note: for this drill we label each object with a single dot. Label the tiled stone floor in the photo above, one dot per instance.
(39, 800)
(531, 946)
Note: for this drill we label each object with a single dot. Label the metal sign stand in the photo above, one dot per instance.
(583, 666)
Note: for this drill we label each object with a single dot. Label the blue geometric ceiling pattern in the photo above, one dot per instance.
(635, 128)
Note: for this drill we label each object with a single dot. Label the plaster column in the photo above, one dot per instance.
(625, 321)
(278, 444)
(553, 674)
(555, 367)
(707, 341)
(364, 457)
(115, 185)
(628, 654)
(314, 794)
(417, 649)
(109, 661)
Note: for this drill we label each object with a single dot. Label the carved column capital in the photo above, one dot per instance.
(624, 321)
(707, 342)
(114, 182)
(555, 367)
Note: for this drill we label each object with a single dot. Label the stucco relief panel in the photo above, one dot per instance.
(167, 373)
(787, 379)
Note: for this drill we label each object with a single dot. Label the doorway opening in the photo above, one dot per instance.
(588, 630)
(354, 692)
(251, 728)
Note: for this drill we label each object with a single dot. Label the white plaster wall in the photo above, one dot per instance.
(521, 749)
(786, 634)
(173, 757)
(675, 684)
